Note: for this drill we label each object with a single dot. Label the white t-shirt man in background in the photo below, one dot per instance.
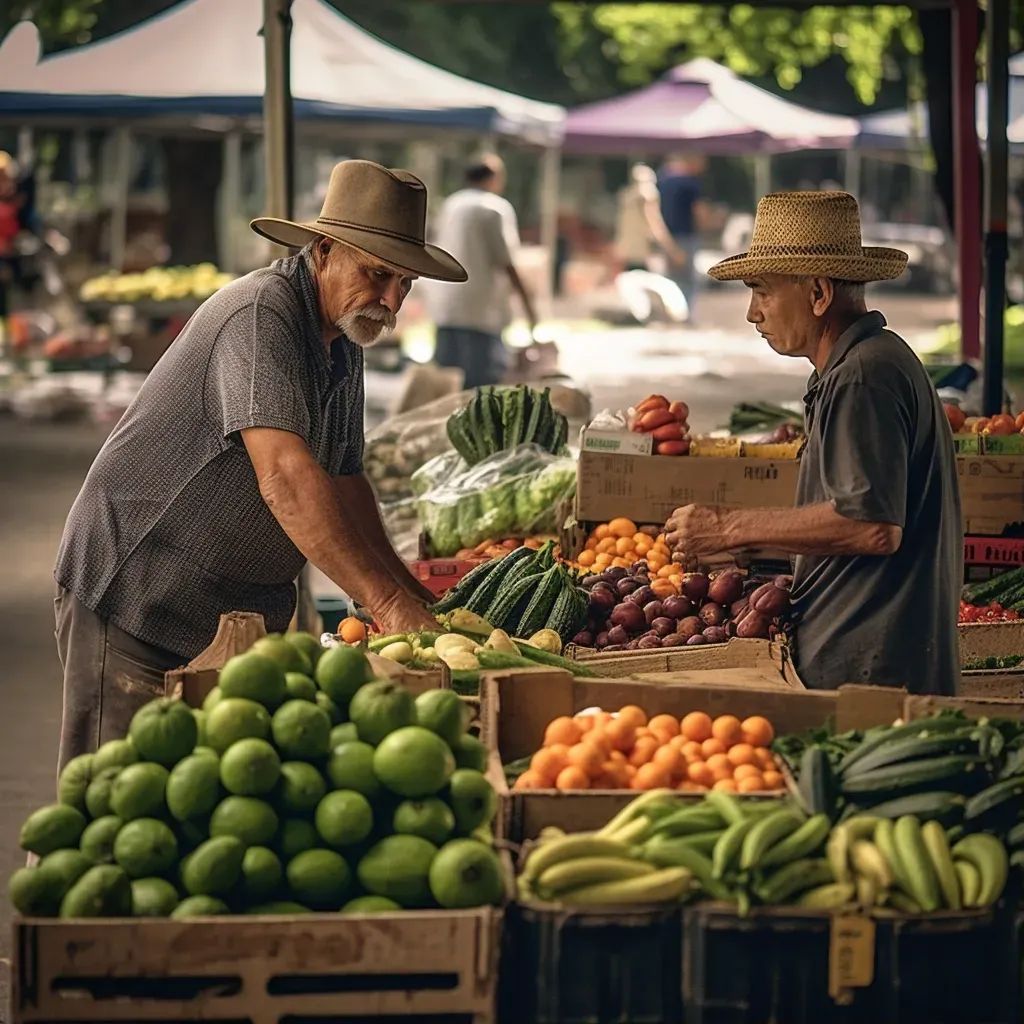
(479, 228)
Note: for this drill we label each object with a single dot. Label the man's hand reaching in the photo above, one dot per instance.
(403, 614)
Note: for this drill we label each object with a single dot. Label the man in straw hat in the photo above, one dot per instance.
(876, 530)
(241, 458)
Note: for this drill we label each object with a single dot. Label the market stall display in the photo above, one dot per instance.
(259, 804)
(158, 284)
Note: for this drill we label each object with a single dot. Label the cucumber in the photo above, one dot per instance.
(1003, 801)
(539, 657)
(942, 806)
(493, 660)
(922, 728)
(467, 586)
(816, 785)
(911, 748)
(1015, 837)
(533, 426)
(990, 590)
(894, 777)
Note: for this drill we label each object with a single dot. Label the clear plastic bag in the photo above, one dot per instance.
(512, 493)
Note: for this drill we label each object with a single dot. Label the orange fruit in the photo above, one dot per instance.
(641, 549)
(617, 756)
(599, 740)
(587, 756)
(624, 545)
(631, 713)
(602, 718)
(655, 561)
(628, 771)
(600, 532)
(746, 771)
(643, 751)
(751, 784)
(591, 544)
(728, 729)
(696, 726)
(603, 560)
(622, 734)
(606, 547)
(562, 730)
(623, 561)
(532, 780)
(615, 770)
(669, 757)
(664, 723)
(352, 630)
(741, 753)
(763, 757)
(678, 742)
(644, 730)
(773, 780)
(604, 781)
(572, 778)
(692, 751)
(651, 776)
(622, 527)
(757, 731)
(721, 767)
(711, 747)
(729, 785)
(700, 773)
(586, 558)
(549, 761)
(585, 722)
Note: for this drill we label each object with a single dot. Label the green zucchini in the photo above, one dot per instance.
(816, 785)
(990, 590)
(490, 421)
(568, 615)
(922, 727)
(467, 586)
(542, 602)
(1015, 837)
(1004, 799)
(459, 437)
(539, 657)
(481, 597)
(508, 597)
(533, 427)
(942, 806)
(911, 748)
(905, 776)
(492, 660)
(561, 435)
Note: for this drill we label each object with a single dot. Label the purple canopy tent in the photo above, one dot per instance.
(704, 106)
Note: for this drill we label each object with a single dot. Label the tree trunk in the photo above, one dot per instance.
(193, 182)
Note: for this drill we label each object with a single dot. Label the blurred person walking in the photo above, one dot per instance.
(640, 223)
(478, 226)
(685, 214)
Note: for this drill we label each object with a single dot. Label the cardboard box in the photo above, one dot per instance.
(967, 444)
(991, 492)
(611, 442)
(1006, 444)
(739, 662)
(313, 967)
(980, 640)
(648, 489)
(1001, 684)
(974, 707)
(516, 708)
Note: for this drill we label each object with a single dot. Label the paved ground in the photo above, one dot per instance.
(42, 466)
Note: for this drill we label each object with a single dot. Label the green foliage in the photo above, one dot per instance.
(647, 38)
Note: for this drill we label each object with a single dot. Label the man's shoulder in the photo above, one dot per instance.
(271, 288)
(877, 360)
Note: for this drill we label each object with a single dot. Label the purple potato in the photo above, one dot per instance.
(690, 626)
(602, 602)
(737, 608)
(716, 634)
(696, 640)
(726, 587)
(594, 579)
(754, 625)
(630, 616)
(615, 573)
(583, 639)
(646, 642)
(638, 569)
(644, 596)
(652, 611)
(769, 600)
(695, 586)
(713, 614)
(673, 640)
(626, 586)
(676, 607)
(617, 635)
(663, 626)
(601, 640)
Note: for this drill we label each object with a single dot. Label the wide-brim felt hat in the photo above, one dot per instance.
(379, 211)
(811, 233)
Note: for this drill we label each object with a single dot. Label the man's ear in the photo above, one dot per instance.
(821, 295)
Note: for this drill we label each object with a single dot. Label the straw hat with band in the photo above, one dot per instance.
(811, 233)
(380, 212)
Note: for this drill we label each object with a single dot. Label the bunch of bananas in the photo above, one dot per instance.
(911, 867)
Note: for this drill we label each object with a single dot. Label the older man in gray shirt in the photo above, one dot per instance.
(877, 531)
(241, 458)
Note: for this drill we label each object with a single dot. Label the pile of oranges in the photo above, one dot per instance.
(622, 543)
(628, 751)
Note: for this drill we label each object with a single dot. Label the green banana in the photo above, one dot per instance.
(935, 842)
(869, 862)
(635, 831)
(861, 826)
(571, 847)
(703, 842)
(807, 839)
(885, 840)
(688, 821)
(969, 879)
(903, 903)
(768, 831)
(631, 810)
(663, 886)
(727, 806)
(828, 896)
(837, 851)
(571, 874)
(727, 849)
(867, 891)
(675, 852)
(796, 877)
(989, 856)
(921, 880)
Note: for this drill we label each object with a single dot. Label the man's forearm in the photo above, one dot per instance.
(520, 289)
(811, 530)
(356, 496)
(304, 501)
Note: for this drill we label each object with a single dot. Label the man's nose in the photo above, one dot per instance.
(753, 314)
(392, 296)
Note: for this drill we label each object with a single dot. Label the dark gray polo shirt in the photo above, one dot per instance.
(879, 448)
(169, 529)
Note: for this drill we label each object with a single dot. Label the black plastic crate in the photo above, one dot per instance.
(613, 966)
(774, 966)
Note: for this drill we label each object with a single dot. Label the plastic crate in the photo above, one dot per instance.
(774, 966)
(613, 966)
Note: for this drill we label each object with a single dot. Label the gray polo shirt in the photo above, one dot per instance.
(169, 529)
(879, 448)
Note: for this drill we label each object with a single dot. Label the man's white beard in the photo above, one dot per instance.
(365, 326)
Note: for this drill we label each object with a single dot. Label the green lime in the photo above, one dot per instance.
(252, 821)
(344, 818)
(350, 766)
(302, 731)
(250, 767)
(301, 788)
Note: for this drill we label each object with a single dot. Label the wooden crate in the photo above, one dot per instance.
(260, 970)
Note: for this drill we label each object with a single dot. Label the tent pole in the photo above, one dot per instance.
(550, 171)
(967, 187)
(119, 206)
(997, 54)
(230, 199)
(278, 130)
(851, 172)
(762, 176)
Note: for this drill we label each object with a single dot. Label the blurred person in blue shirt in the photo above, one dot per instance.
(683, 212)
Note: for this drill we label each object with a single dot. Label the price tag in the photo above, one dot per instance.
(851, 954)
